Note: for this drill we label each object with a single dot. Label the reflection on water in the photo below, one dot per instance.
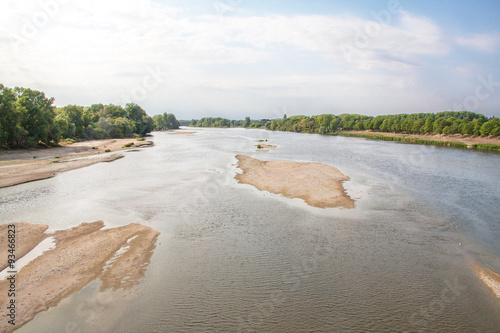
(231, 258)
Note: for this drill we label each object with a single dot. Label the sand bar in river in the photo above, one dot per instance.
(318, 184)
(82, 254)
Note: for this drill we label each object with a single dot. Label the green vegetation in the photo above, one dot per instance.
(107, 150)
(404, 139)
(128, 145)
(165, 121)
(226, 123)
(140, 139)
(449, 122)
(486, 147)
(28, 119)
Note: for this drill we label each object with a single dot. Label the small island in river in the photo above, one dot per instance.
(118, 257)
(318, 184)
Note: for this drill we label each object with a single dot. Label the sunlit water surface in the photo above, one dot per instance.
(231, 258)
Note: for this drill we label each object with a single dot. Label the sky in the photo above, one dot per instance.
(257, 58)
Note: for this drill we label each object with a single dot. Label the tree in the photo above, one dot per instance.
(488, 127)
(28, 119)
(247, 122)
(36, 115)
(167, 121)
(74, 115)
(9, 128)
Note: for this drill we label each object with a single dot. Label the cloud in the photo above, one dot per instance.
(96, 51)
(480, 42)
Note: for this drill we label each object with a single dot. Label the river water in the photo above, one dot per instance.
(231, 258)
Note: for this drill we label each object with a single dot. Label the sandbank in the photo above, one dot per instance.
(26, 165)
(31, 234)
(266, 147)
(490, 278)
(82, 254)
(318, 184)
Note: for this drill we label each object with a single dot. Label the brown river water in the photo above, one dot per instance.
(231, 258)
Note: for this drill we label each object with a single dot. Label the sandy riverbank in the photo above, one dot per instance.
(318, 184)
(456, 138)
(490, 278)
(81, 255)
(26, 165)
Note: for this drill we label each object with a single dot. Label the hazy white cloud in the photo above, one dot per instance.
(481, 42)
(97, 51)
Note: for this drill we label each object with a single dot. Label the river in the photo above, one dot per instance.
(231, 258)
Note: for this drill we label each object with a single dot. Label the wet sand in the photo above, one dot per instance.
(31, 234)
(318, 184)
(26, 165)
(82, 254)
(490, 278)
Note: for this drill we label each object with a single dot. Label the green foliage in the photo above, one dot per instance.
(486, 147)
(165, 121)
(223, 122)
(449, 122)
(28, 119)
(128, 145)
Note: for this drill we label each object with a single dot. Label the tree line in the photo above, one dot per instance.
(226, 123)
(448, 122)
(29, 119)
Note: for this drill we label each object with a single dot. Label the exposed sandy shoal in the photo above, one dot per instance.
(318, 184)
(265, 146)
(31, 234)
(458, 138)
(490, 278)
(15, 174)
(81, 255)
(182, 132)
(19, 166)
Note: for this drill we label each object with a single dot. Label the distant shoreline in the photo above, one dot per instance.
(491, 143)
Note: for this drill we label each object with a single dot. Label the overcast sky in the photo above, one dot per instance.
(260, 58)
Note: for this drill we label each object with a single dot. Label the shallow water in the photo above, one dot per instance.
(232, 258)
